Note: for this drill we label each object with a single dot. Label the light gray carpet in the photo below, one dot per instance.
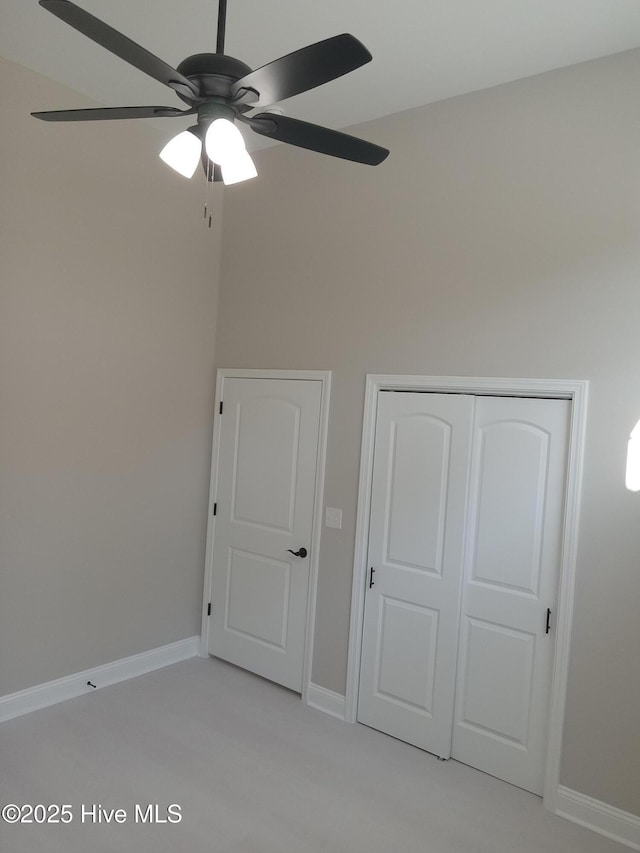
(254, 771)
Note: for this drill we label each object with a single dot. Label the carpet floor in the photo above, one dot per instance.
(247, 768)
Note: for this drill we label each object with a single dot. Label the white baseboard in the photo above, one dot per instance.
(326, 700)
(620, 826)
(42, 695)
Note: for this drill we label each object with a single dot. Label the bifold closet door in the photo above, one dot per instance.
(465, 541)
(516, 508)
(420, 474)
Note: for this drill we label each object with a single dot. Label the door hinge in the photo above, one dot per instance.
(209, 609)
(221, 406)
(215, 509)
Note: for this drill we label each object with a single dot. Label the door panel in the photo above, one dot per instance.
(512, 564)
(264, 483)
(418, 464)
(420, 475)
(258, 597)
(267, 461)
(513, 471)
(406, 679)
(497, 690)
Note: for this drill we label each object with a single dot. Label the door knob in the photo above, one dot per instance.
(301, 553)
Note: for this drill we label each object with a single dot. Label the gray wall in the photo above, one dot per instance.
(501, 238)
(108, 293)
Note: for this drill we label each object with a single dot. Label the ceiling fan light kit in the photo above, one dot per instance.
(182, 153)
(241, 168)
(224, 145)
(220, 90)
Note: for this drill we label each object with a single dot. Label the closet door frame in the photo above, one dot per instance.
(576, 391)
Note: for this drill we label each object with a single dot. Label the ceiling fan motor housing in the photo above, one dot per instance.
(213, 74)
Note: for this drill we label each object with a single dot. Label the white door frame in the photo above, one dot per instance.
(324, 377)
(576, 392)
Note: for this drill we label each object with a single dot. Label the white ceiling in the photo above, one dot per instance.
(423, 50)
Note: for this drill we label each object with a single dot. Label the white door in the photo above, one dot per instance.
(267, 460)
(438, 608)
(420, 475)
(511, 579)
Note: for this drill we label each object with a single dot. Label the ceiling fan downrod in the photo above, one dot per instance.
(222, 24)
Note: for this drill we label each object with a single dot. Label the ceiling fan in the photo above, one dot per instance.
(221, 90)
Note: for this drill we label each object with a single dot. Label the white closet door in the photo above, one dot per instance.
(511, 576)
(420, 474)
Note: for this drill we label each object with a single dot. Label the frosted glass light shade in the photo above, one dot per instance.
(238, 168)
(632, 479)
(182, 153)
(225, 146)
(223, 141)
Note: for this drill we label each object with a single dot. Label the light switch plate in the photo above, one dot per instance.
(333, 517)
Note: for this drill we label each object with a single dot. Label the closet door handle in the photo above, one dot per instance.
(372, 570)
(548, 625)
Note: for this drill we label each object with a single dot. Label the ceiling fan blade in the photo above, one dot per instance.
(109, 113)
(317, 138)
(120, 44)
(302, 70)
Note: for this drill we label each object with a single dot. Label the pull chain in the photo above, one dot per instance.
(209, 177)
(207, 190)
